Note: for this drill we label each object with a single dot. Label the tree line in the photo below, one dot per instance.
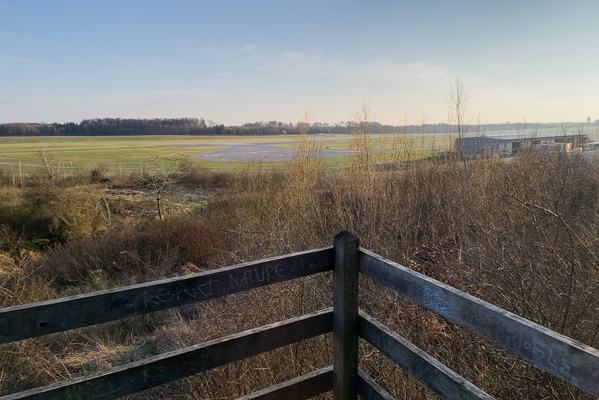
(115, 126)
(200, 126)
(160, 126)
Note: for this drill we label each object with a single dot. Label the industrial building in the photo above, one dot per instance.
(507, 145)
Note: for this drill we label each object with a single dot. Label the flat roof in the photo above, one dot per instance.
(510, 136)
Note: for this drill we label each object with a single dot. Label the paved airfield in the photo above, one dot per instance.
(258, 152)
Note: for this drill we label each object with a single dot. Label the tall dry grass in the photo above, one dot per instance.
(520, 234)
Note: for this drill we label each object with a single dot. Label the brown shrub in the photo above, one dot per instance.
(153, 250)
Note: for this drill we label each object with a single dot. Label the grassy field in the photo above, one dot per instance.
(113, 150)
(128, 152)
(88, 151)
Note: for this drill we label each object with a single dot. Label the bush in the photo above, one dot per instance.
(150, 251)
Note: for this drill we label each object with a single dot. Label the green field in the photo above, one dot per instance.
(89, 151)
(128, 152)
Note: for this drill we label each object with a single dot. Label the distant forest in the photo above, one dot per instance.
(200, 126)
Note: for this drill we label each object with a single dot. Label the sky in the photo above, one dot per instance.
(237, 61)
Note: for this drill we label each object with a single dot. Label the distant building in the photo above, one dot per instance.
(509, 145)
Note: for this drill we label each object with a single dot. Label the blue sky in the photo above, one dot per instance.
(243, 61)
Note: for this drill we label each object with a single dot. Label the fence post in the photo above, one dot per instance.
(345, 316)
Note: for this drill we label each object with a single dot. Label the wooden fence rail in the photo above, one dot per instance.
(559, 355)
(33, 320)
(563, 357)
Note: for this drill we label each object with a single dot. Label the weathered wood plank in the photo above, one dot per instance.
(155, 371)
(368, 389)
(300, 388)
(563, 357)
(32, 320)
(428, 370)
(345, 320)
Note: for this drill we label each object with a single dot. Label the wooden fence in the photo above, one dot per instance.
(561, 356)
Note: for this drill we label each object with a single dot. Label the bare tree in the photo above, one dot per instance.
(160, 179)
(457, 102)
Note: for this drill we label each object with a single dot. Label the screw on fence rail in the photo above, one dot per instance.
(345, 316)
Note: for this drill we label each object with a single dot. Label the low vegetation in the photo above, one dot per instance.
(521, 235)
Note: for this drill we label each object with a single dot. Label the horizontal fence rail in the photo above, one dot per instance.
(436, 376)
(561, 356)
(369, 389)
(157, 370)
(37, 319)
(304, 387)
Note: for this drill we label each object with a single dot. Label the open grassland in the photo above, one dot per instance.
(87, 151)
(386, 141)
(129, 152)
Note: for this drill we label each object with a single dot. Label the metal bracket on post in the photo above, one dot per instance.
(345, 316)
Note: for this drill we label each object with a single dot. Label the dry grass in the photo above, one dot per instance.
(521, 235)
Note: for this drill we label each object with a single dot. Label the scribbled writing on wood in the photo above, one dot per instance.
(510, 335)
(220, 282)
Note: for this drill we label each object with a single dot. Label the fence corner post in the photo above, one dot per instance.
(345, 316)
